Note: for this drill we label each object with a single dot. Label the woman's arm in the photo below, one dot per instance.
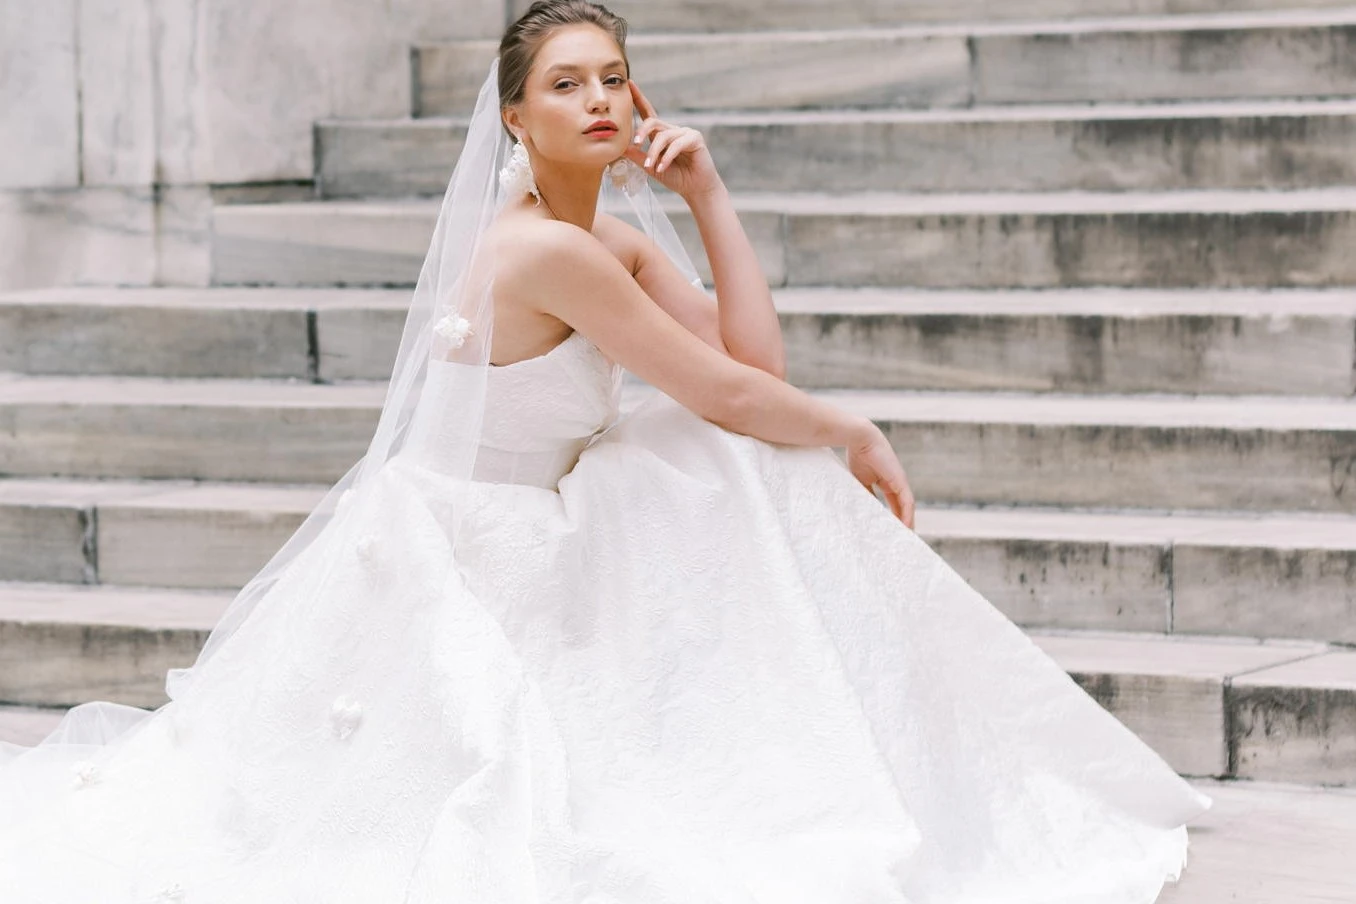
(748, 318)
(679, 159)
(571, 276)
(575, 278)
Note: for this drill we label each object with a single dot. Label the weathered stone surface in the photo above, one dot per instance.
(384, 243)
(1092, 340)
(1044, 240)
(1216, 574)
(1040, 148)
(386, 158)
(1303, 588)
(201, 537)
(216, 430)
(731, 71)
(1236, 55)
(1257, 144)
(61, 646)
(166, 533)
(1252, 453)
(360, 342)
(44, 541)
(183, 236)
(1297, 722)
(118, 93)
(155, 332)
(1224, 59)
(1076, 340)
(39, 110)
(320, 244)
(1169, 691)
(90, 235)
(1029, 242)
(1065, 584)
(712, 15)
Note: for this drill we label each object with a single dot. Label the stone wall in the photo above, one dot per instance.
(119, 118)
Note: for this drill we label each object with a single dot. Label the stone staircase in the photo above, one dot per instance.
(1094, 278)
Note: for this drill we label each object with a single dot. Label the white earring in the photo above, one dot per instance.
(516, 175)
(627, 175)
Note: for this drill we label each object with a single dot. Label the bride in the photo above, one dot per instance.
(532, 649)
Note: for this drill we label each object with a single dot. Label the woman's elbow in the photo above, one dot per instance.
(777, 367)
(731, 399)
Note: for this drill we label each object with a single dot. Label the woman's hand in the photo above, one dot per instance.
(677, 156)
(873, 462)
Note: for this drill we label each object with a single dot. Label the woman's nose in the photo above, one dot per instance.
(597, 97)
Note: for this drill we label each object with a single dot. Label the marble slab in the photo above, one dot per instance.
(39, 107)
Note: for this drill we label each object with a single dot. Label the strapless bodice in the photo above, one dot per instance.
(540, 413)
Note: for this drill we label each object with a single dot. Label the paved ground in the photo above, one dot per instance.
(1267, 843)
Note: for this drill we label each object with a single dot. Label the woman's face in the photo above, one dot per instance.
(578, 78)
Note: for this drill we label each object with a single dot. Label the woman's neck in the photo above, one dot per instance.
(570, 194)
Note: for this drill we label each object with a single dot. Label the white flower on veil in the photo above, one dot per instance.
(86, 774)
(454, 328)
(173, 892)
(345, 713)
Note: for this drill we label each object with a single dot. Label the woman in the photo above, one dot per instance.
(530, 650)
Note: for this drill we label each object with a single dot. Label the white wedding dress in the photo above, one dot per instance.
(664, 664)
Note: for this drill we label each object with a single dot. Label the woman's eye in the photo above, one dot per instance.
(611, 80)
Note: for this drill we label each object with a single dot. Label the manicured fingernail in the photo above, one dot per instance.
(648, 161)
(661, 168)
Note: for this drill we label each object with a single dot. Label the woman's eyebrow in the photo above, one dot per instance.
(575, 66)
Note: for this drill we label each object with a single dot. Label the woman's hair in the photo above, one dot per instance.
(523, 38)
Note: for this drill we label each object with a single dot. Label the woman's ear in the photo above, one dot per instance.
(515, 125)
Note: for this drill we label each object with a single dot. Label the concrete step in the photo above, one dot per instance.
(1081, 340)
(1110, 147)
(61, 645)
(1203, 703)
(707, 15)
(1260, 239)
(1276, 711)
(1280, 53)
(1257, 453)
(1260, 575)
(159, 533)
(193, 429)
(1248, 575)
(312, 334)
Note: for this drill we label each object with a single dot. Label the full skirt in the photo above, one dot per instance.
(708, 670)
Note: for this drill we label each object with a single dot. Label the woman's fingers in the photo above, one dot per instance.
(657, 142)
(901, 502)
(665, 145)
(642, 103)
(685, 140)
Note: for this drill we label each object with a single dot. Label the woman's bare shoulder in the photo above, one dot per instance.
(522, 244)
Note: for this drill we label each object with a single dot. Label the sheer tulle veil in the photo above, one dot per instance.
(449, 328)
(445, 343)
